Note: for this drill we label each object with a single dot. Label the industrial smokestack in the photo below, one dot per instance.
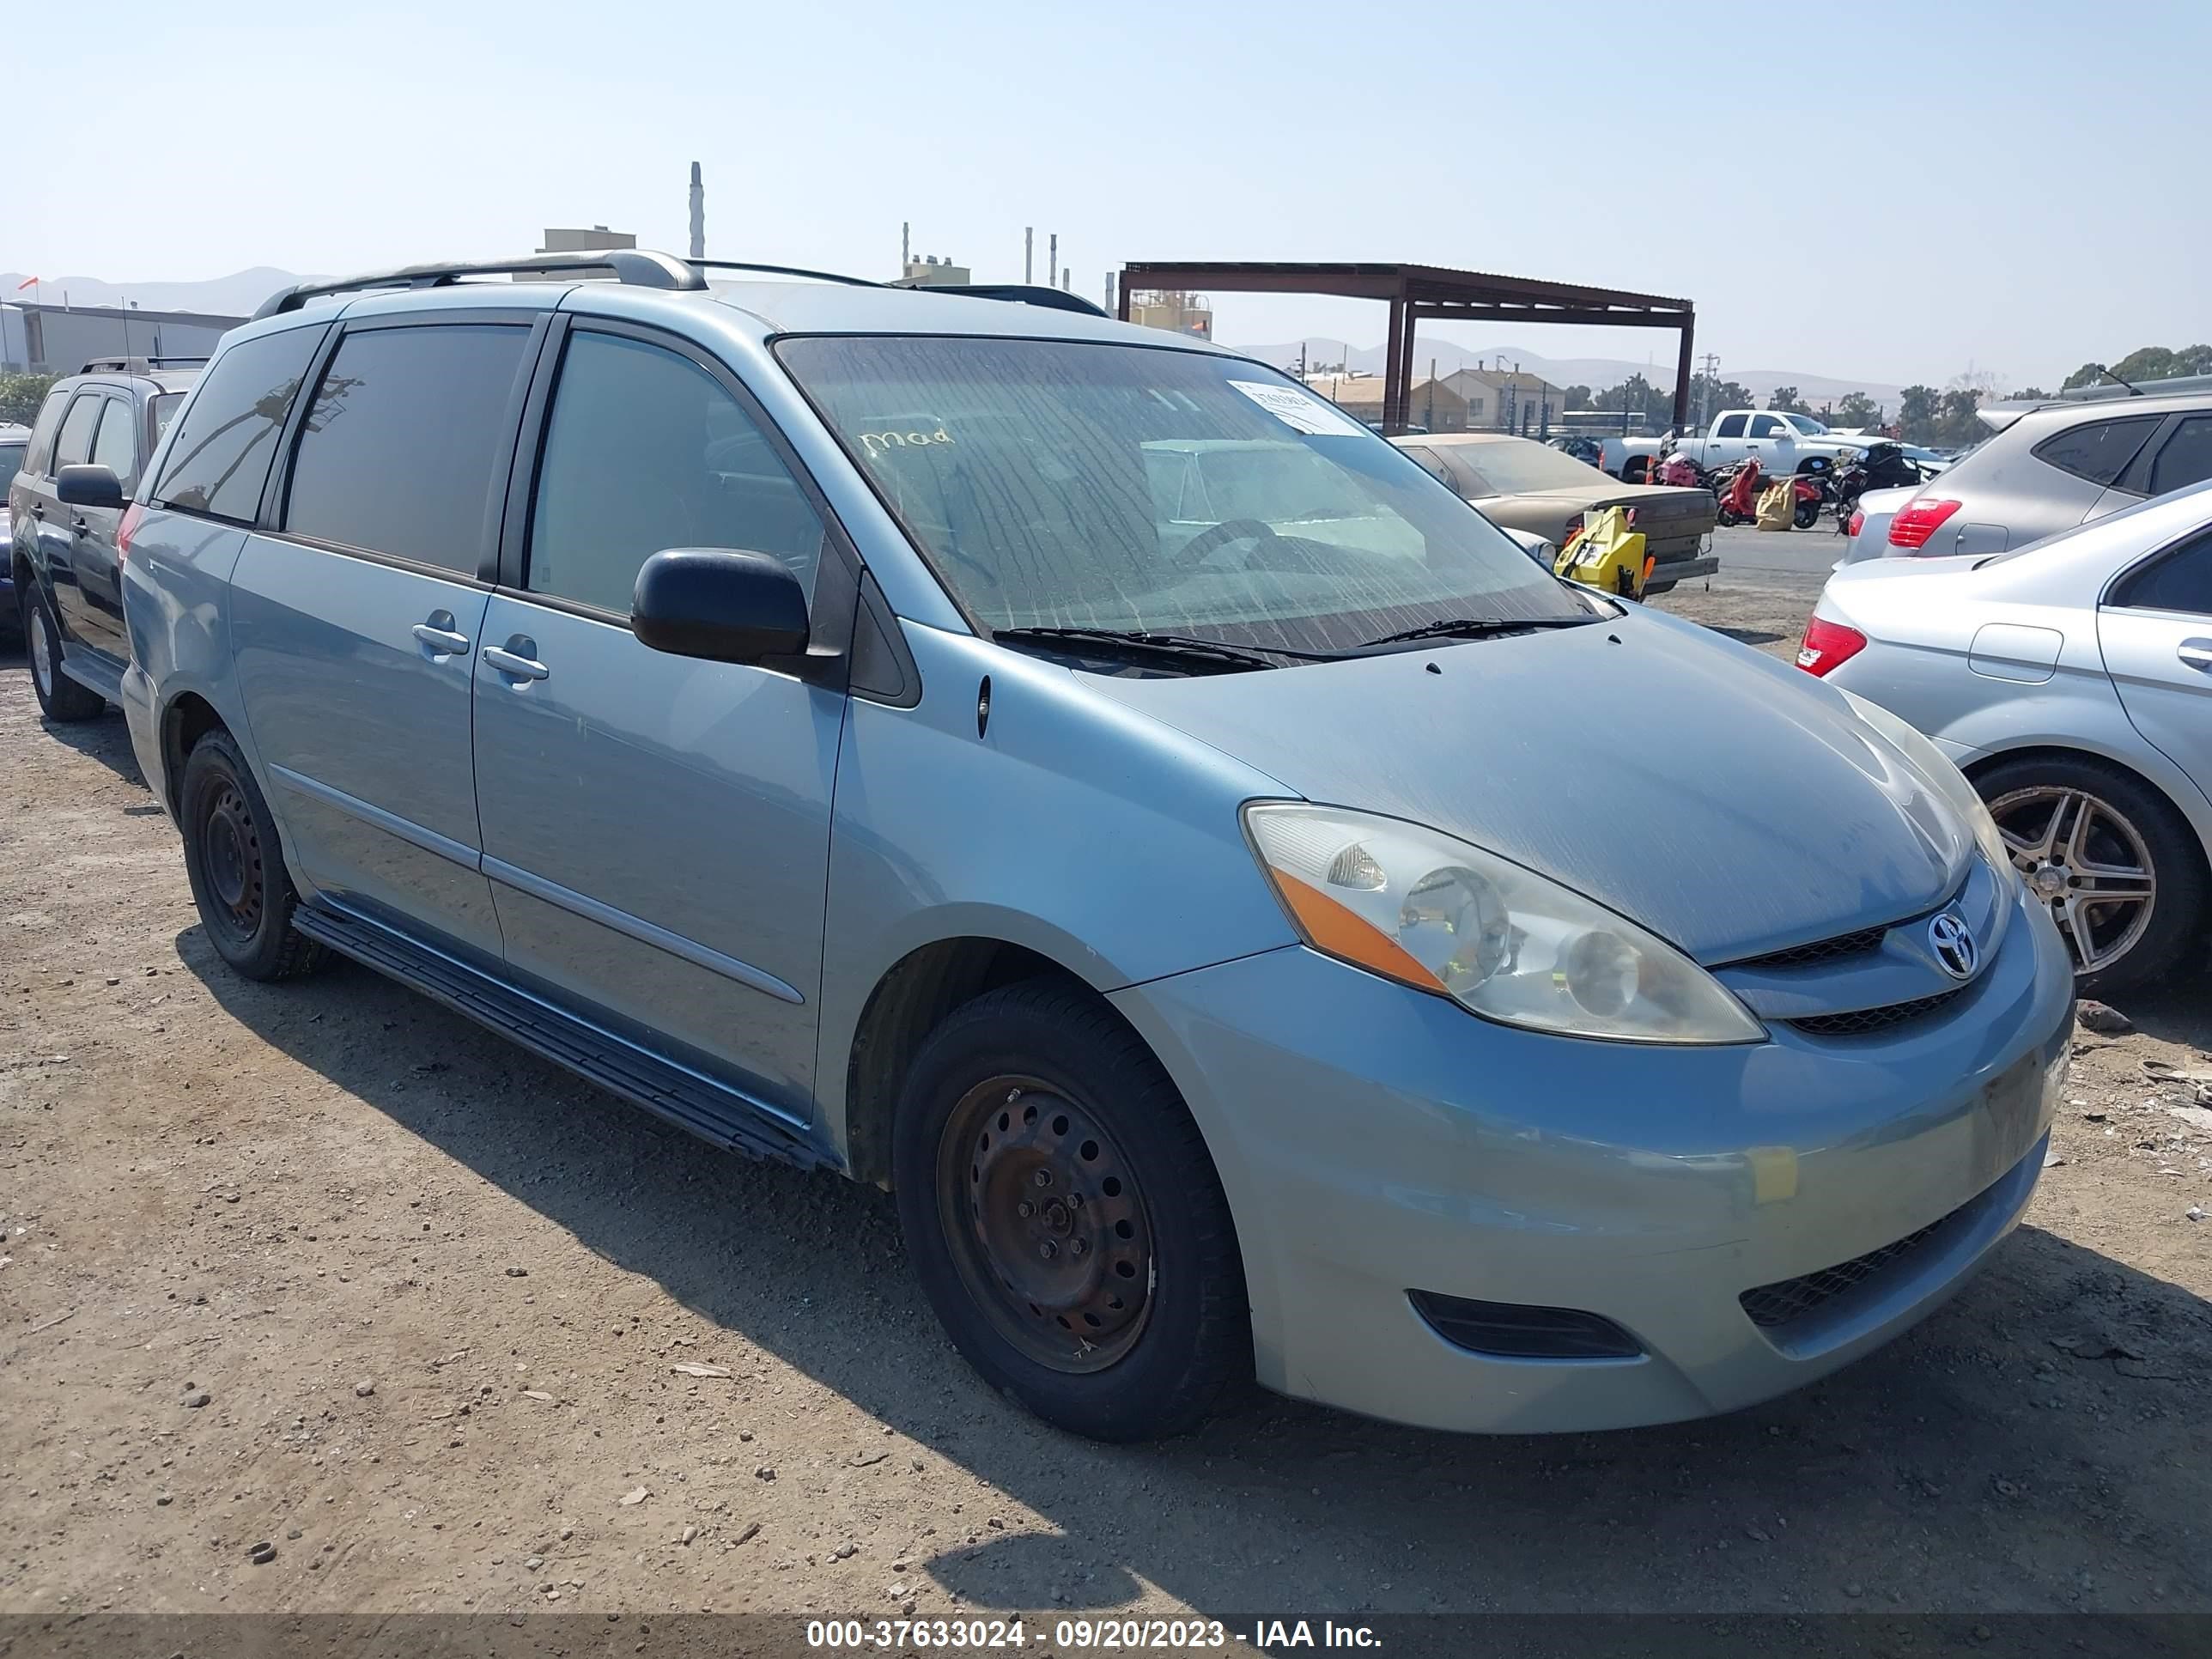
(1052, 262)
(698, 214)
(1029, 253)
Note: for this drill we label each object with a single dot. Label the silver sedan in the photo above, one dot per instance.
(2071, 680)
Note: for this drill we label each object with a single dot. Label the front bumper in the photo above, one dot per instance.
(1375, 1141)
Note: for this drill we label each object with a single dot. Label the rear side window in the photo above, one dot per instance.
(2181, 579)
(116, 448)
(693, 471)
(404, 451)
(73, 446)
(11, 461)
(1731, 426)
(2097, 450)
(219, 460)
(2186, 458)
(39, 459)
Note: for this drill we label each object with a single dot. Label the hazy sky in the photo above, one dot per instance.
(1890, 191)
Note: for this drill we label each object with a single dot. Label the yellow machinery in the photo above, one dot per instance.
(1606, 554)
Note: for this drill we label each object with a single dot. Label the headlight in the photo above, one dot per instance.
(1942, 775)
(1437, 913)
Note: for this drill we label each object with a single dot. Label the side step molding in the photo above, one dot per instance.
(696, 1102)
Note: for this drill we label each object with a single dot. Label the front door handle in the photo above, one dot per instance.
(80, 527)
(2197, 653)
(441, 641)
(513, 661)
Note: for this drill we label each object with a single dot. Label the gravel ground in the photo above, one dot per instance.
(327, 1269)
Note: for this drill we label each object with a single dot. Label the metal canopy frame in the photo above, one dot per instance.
(1429, 293)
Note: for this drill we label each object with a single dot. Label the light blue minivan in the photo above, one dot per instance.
(1275, 944)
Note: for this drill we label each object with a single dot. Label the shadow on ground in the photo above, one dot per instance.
(2038, 1445)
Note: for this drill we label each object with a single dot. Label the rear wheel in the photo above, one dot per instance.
(237, 872)
(60, 697)
(2117, 865)
(1065, 1219)
(1808, 514)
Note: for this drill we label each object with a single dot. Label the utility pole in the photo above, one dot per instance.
(1109, 294)
(1029, 253)
(1052, 261)
(1713, 373)
(906, 246)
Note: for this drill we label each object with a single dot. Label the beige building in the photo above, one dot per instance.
(1507, 400)
(1435, 405)
(930, 272)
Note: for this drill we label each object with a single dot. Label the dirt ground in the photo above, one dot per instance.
(328, 1269)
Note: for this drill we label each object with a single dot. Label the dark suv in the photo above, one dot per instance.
(64, 554)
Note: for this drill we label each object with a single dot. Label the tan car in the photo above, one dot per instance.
(1520, 484)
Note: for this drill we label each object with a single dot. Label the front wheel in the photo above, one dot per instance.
(60, 697)
(1808, 514)
(1065, 1219)
(2118, 867)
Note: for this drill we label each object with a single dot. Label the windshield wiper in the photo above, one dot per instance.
(1139, 640)
(1476, 627)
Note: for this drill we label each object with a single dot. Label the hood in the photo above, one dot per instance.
(1722, 799)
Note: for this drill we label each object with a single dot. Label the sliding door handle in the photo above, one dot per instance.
(513, 664)
(441, 641)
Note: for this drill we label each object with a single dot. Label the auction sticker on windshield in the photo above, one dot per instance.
(1301, 413)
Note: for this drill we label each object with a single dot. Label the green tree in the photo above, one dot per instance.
(1918, 409)
(1857, 410)
(2033, 394)
(1786, 398)
(2146, 363)
(1955, 424)
(1578, 397)
(21, 396)
(1713, 396)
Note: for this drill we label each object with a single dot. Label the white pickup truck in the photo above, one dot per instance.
(1779, 440)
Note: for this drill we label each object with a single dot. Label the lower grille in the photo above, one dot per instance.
(1790, 1300)
(1513, 1330)
(1862, 1022)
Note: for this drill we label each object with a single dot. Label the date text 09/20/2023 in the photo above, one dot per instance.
(1082, 1635)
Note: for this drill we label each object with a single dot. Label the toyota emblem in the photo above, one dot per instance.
(1953, 942)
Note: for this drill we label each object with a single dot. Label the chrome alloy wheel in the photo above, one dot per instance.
(2081, 855)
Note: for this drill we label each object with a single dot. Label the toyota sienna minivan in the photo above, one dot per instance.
(813, 711)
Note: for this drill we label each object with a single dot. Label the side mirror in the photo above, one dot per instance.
(719, 603)
(88, 486)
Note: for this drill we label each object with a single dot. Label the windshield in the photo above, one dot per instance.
(1516, 466)
(11, 461)
(1052, 484)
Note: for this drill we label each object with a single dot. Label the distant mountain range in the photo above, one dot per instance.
(239, 293)
(1595, 373)
(234, 295)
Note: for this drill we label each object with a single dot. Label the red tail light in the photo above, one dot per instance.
(1917, 521)
(1858, 521)
(133, 516)
(1826, 644)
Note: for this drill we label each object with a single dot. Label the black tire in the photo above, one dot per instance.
(236, 866)
(2175, 926)
(60, 697)
(1186, 1341)
(1808, 514)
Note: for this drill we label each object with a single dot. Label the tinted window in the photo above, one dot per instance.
(11, 461)
(2186, 458)
(407, 441)
(646, 450)
(116, 448)
(219, 459)
(1731, 426)
(74, 447)
(1768, 426)
(39, 459)
(2178, 581)
(2099, 451)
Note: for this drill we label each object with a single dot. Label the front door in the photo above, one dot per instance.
(61, 529)
(98, 619)
(354, 626)
(2156, 632)
(657, 827)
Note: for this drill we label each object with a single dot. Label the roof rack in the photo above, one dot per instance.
(634, 267)
(1026, 293)
(784, 270)
(138, 365)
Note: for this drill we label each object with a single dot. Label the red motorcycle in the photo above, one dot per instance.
(1739, 496)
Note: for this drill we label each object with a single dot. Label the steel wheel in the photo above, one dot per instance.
(1045, 1224)
(2081, 856)
(232, 860)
